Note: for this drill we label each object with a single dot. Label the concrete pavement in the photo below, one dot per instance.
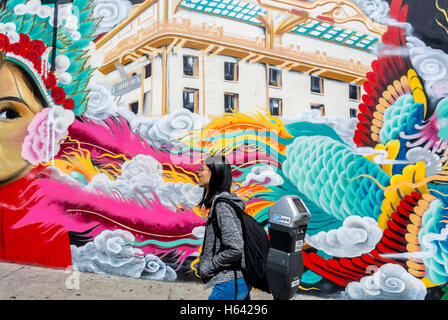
(24, 282)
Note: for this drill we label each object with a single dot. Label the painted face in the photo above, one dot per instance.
(204, 176)
(18, 106)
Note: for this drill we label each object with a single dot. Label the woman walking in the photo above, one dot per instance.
(222, 256)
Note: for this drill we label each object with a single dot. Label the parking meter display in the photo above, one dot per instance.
(299, 205)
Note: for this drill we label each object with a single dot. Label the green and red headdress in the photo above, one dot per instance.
(26, 35)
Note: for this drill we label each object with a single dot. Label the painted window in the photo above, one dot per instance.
(147, 103)
(320, 107)
(191, 99)
(191, 66)
(317, 84)
(147, 66)
(230, 71)
(133, 106)
(354, 92)
(230, 102)
(275, 106)
(275, 77)
(353, 113)
(148, 71)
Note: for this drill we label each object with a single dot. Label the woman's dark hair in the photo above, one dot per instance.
(220, 178)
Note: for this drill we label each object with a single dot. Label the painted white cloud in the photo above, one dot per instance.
(380, 156)
(65, 15)
(390, 50)
(374, 9)
(111, 13)
(344, 127)
(358, 235)
(366, 151)
(168, 130)
(61, 118)
(383, 18)
(140, 179)
(55, 174)
(389, 282)
(432, 66)
(101, 103)
(259, 174)
(107, 254)
(382, 159)
(9, 29)
(431, 159)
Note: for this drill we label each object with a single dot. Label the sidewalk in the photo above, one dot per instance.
(24, 282)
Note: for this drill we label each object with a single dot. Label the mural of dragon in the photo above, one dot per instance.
(118, 195)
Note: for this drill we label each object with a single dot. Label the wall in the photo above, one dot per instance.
(85, 183)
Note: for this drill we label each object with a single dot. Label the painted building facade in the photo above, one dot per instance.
(213, 57)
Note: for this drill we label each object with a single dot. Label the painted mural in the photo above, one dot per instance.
(88, 184)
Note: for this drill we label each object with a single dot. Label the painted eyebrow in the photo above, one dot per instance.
(17, 99)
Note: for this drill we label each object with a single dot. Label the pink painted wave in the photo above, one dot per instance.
(62, 207)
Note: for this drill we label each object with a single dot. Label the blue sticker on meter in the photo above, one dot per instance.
(281, 219)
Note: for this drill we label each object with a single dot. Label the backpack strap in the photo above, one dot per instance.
(215, 226)
(236, 285)
(237, 210)
(214, 218)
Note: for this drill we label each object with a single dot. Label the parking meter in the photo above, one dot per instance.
(288, 220)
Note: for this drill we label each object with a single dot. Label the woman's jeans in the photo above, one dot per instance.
(226, 291)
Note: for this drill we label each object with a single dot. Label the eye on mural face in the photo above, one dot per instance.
(18, 106)
(9, 113)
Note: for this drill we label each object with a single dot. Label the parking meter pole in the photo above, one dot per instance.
(288, 220)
